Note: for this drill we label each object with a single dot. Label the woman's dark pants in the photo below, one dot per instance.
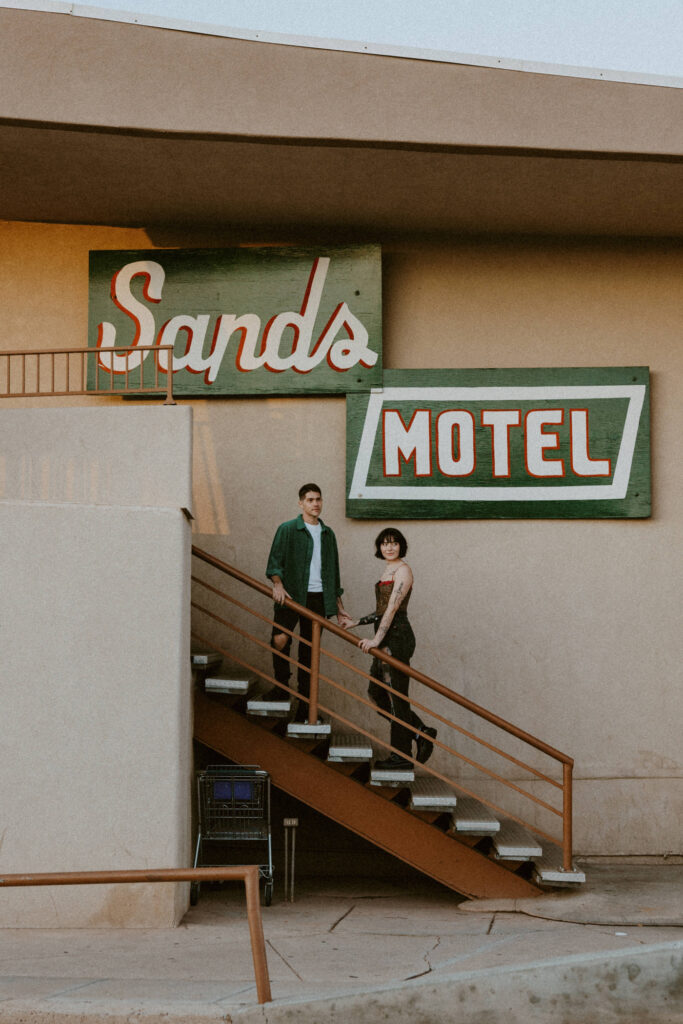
(400, 642)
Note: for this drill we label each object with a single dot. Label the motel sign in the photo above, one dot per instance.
(245, 321)
(552, 443)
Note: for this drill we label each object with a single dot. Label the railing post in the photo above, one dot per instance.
(567, 817)
(315, 673)
(169, 378)
(258, 946)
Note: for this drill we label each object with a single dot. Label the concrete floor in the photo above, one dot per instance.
(355, 951)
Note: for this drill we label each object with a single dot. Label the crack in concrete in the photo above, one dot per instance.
(411, 977)
(339, 920)
(491, 924)
(284, 959)
(426, 959)
(430, 951)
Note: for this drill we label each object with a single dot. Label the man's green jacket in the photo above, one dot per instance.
(290, 559)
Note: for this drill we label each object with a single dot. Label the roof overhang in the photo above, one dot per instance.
(111, 123)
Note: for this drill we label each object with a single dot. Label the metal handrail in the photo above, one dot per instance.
(320, 623)
(248, 873)
(386, 714)
(66, 371)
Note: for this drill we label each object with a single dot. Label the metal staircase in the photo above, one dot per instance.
(421, 816)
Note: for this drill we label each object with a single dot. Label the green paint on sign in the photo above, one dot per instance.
(473, 444)
(247, 321)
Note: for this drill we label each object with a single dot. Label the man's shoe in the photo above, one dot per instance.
(425, 746)
(393, 763)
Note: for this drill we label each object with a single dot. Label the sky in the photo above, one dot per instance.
(624, 35)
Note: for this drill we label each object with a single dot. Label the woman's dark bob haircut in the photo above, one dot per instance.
(391, 533)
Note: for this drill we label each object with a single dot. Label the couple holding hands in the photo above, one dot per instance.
(304, 565)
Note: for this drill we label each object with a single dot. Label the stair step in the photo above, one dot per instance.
(229, 681)
(430, 794)
(269, 707)
(302, 730)
(513, 842)
(548, 871)
(474, 818)
(206, 659)
(350, 748)
(391, 776)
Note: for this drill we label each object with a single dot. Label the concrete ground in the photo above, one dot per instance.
(355, 951)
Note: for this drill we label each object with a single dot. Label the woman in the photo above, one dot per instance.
(394, 635)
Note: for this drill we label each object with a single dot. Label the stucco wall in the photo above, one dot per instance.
(567, 628)
(95, 763)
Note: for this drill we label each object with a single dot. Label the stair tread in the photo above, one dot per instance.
(229, 682)
(428, 793)
(472, 816)
(344, 746)
(548, 868)
(514, 842)
(305, 731)
(269, 708)
(391, 776)
(206, 659)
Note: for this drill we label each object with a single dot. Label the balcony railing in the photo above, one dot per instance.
(96, 372)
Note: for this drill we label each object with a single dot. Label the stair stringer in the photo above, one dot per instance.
(355, 806)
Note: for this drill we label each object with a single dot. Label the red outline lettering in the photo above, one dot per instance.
(501, 476)
(560, 462)
(448, 412)
(588, 455)
(410, 458)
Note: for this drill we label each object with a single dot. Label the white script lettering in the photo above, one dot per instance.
(343, 342)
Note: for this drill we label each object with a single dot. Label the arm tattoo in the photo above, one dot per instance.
(388, 617)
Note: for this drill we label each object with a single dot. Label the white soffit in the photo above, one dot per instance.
(314, 42)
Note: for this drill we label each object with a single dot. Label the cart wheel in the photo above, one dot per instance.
(194, 893)
(267, 894)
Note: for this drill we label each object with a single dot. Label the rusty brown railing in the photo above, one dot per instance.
(247, 873)
(62, 373)
(318, 625)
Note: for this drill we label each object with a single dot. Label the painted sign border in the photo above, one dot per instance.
(626, 495)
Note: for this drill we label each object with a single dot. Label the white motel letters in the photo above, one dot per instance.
(454, 431)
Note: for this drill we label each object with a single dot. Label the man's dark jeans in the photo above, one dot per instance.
(286, 617)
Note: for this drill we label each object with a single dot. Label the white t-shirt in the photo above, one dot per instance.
(315, 575)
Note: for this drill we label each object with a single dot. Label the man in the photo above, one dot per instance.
(303, 565)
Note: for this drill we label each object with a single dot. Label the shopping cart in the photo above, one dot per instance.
(234, 806)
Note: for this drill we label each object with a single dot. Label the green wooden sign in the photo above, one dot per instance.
(474, 444)
(247, 321)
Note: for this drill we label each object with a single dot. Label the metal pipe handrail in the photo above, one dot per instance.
(247, 873)
(67, 391)
(295, 664)
(323, 623)
(385, 714)
(420, 677)
(371, 736)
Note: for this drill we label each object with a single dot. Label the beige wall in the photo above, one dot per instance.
(95, 763)
(569, 629)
